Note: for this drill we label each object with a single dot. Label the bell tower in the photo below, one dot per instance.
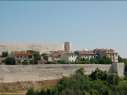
(67, 46)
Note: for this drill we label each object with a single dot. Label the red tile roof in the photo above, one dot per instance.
(86, 53)
(22, 53)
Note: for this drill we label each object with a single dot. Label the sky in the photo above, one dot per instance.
(90, 25)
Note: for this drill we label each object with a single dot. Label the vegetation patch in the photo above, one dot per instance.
(98, 83)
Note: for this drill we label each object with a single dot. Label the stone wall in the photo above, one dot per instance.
(14, 73)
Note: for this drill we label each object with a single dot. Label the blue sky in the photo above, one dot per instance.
(85, 24)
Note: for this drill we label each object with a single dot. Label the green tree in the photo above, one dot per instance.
(98, 83)
(10, 61)
(92, 60)
(121, 88)
(61, 62)
(45, 56)
(120, 59)
(36, 56)
(25, 62)
(98, 75)
(101, 87)
(108, 61)
(4, 54)
(104, 60)
(30, 92)
(112, 79)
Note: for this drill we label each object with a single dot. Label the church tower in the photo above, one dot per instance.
(67, 47)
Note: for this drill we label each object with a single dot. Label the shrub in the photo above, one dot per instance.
(10, 61)
(98, 74)
(112, 79)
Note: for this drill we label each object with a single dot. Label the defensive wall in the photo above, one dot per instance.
(14, 73)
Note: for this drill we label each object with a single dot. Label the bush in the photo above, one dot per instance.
(30, 92)
(10, 61)
(4, 54)
(98, 75)
(25, 62)
(112, 79)
(98, 83)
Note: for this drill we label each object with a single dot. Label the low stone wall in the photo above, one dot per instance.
(14, 73)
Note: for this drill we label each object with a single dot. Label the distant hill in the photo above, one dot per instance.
(42, 47)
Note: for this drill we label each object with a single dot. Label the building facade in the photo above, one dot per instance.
(67, 47)
(87, 54)
(110, 53)
(22, 56)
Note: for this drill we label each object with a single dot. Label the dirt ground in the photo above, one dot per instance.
(20, 88)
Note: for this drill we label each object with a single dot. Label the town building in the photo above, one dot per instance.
(56, 55)
(110, 53)
(55, 52)
(87, 54)
(22, 56)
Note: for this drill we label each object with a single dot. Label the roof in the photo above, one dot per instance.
(104, 50)
(22, 53)
(69, 54)
(81, 53)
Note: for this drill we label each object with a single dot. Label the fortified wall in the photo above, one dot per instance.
(14, 73)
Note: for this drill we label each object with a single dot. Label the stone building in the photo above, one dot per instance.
(110, 53)
(67, 47)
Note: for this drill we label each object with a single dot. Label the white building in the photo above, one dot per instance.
(69, 57)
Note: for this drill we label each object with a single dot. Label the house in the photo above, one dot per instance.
(21, 56)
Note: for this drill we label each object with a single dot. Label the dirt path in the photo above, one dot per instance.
(12, 93)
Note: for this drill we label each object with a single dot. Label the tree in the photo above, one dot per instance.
(104, 60)
(92, 60)
(98, 74)
(78, 84)
(25, 62)
(120, 59)
(100, 87)
(80, 72)
(108, 61)
(61, 62)
(4, 54)
(97, 60)
(112, 79)
(121, 88)
(10, 61)
(45, 56)
(77, 53)
(30, 92)
(36, 56)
